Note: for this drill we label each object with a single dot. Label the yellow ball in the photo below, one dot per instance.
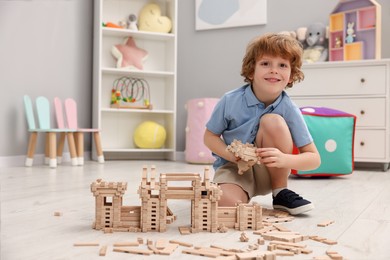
(149, 135)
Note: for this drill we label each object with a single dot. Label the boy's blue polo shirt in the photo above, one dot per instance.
(237, 116)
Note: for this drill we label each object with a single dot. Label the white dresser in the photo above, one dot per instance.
(356, 87)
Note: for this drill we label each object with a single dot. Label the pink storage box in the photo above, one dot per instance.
(198, 113)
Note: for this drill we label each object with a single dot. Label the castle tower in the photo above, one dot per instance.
(108, 200)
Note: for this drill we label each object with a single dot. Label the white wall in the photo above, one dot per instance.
(46, 49)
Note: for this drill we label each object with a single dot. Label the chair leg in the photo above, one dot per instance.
(98, 145)
(72, 149)
(80, 147)
(60, 148)
(31, 149)
(47, 149)
(52, 150)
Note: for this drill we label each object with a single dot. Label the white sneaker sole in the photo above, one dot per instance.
(296, 211)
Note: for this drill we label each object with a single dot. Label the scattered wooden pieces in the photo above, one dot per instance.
(137, 251)
(103, 250)
(325, 223)
(86, 244)
(57, 214)
(244, 237)
(122, 244)
(180, 243)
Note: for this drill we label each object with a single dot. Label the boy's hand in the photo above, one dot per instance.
(271, 157)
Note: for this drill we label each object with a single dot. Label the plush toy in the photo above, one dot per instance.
(150, 20)
(149, 135)
(128, 54)
(315, 43)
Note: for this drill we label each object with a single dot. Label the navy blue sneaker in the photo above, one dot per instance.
(291, 202)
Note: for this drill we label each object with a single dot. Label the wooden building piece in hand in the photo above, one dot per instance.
(246, 154)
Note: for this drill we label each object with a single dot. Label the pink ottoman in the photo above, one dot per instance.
(198, 113)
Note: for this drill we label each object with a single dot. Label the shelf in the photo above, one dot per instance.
(158, 74)
(148, 111)
(137, 34)
(115, 71)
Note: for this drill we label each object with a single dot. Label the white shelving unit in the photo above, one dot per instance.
(159, 70)
(361, 88)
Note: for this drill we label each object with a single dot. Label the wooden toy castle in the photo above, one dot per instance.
(154, 214)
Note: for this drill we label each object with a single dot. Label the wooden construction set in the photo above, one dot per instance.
(154, 214)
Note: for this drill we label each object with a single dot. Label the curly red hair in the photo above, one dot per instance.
(278, 45)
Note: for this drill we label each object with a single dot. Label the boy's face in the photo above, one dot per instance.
(270, 77)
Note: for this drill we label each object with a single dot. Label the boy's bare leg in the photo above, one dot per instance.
(231, 195)
(274, 132)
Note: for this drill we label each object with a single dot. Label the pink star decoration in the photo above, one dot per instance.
(128, 54)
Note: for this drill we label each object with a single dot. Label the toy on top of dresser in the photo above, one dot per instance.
(315, 43)
(246, 154)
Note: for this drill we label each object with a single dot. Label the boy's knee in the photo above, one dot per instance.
(272, 123)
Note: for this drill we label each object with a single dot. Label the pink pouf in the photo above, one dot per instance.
(198, 113)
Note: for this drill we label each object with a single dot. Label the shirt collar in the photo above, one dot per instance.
(252, 100)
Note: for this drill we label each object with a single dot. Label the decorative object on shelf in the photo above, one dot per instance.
(112, 25)
(315, 43)
(149, 135)
(350, 33)
(132, 22)
(337, 42)
(357, 23)
(151, 20)
(129, 55)
(130, 92)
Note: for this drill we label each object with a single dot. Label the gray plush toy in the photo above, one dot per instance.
(315, 44)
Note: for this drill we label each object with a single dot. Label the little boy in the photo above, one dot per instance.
(262, 113)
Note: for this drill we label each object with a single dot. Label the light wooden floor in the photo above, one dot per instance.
(359, 204)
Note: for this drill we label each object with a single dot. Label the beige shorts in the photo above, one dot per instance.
(255, 181)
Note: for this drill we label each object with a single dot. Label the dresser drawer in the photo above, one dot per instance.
(370, 144)
(341, 80)
(369, 112)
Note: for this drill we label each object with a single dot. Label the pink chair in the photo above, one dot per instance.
(61, 124)
(71, 119)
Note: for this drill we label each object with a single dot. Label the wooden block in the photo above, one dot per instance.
(133, 251)
(86, 244)
(153, 248)
(287, 244)
(325, 223)
(283, 253)
(200, 252)
(281, 228)
(103, 250)
(322, 257)
(250, 255)
(185, 230)
(169, 249)
(221, 252)
(161, 243)
(180, 243)
(121, 244)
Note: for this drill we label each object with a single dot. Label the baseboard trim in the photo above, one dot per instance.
(19, 160)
